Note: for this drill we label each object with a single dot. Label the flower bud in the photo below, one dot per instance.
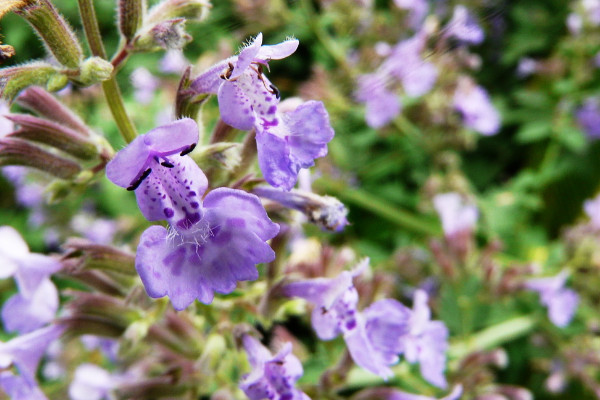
(103, 306)
(78, 325)
(57, 82)
(19, 152)
(325, 211)
(187, 102)
(131, 17)
(169, 34)
(44, 104)
(6, 51)
(15, 79)
(194, 10)
(53, 134)
(94, 70)
(88, 256)
(54, 31)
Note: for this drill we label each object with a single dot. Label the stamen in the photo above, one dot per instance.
(188, 150)
(135, 184)
(167, 164)
(275, 91)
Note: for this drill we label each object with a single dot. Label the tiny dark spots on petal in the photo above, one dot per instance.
(194, 204)
(191, 193)
(168, 212)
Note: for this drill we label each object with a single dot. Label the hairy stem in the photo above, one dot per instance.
(111, 90)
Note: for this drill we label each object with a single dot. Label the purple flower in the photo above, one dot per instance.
(286, 141)
(457, 216)
(272, 377)
(37, 300)
(477, 111)
(335, 313)
(463, 27)
(382, 105)
(592, 209)
(417, 11)
(404, 65)
(588, 117)
(91, 383)
(384, 393)
(17, 388)
(173, 62)
(25, 352)
(561, 302)
(214, 242)
(144, 84)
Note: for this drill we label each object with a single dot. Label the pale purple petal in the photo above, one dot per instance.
(6, 125)
(548, 285)
(364, 354)
(387, 320)
(23, 315)
(588, 117)
(246, 57)
(33, 270)
(456, 214)
(12, 248)
(476, 108)
(420, 80)
(235, 106)
(274, 161)
(463, 26)
(129, 163)
(173, 62)
(17, 388)
(26, 351)
(278, 51)
(309, 133)
(592, 209)
(90, 383)
(210, 80)
(145, 84)
(382, 105)
(562, 307)
(432, 357)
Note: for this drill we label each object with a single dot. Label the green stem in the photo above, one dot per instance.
(109, 87)
(380, 207)
(493, 336)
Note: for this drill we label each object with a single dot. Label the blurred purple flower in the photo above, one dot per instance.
(591, 10)
(417, 11)
(96, 229)
(214, 242)
(404, 65)
(25, 352)
(17, 388)
(574, 23)
(91, 383)
(173, 62)
(388, 393)
(108, 347)
(272, 377)
(144, 84)
(6, 125)
(527, 66)
(37, 300)
(457, 215)
(463, 27)
(561, 302)
(286, 141)
(478, 113)
(588, 117)
(592, 209)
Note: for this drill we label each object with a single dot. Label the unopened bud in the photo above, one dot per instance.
(57, 82)
(169, 34)
(100, 305)
(54, 31)
(94, 70)
(15, 79)
(154, 388)
(187, 102)
(53, 134)
(194, 10)
(131, 17)
(325, 211)
(19, 152)
(6, 51)
(44, 104)
(88, 255)
(92, 325)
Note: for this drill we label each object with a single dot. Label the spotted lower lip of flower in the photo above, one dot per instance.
(215, 252)
(168, 185)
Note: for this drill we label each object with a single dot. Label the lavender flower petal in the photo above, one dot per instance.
(478, 113)
(21, 314)
(91, 383)
(17, 388)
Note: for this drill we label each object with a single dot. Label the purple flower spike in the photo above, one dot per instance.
(26, 351)
(561, 302)
(474, 104)
(37, 300)
(286, 141)
(216, 252)
(272, 377)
